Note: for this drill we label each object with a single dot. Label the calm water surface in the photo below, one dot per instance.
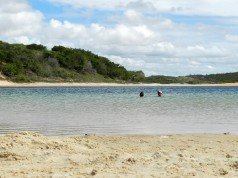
(119, 110)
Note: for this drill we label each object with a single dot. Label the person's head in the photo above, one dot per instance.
(141, 94)
(160, 93)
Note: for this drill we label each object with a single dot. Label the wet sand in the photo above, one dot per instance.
(29, 154)
(5, 83)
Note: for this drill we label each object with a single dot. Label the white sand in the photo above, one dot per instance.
(29, 154)
(5, 83)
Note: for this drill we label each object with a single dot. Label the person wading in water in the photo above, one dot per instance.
(142, 94)
(160, 93)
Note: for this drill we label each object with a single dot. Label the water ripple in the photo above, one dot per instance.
(119, 110)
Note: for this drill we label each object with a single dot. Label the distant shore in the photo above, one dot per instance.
(29, 154)
(5, 83)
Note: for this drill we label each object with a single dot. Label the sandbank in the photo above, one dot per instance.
(5, 83)
(29, 154)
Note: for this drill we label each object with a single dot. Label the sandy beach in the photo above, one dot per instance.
(5, 83)
(29, 154)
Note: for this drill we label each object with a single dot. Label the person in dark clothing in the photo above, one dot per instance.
(160, 93)
(141, 94)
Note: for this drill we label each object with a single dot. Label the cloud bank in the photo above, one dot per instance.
(156, 36)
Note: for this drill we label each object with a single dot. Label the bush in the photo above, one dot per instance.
(21, 78)
(58, 48)
(10, 70)
(36, 47)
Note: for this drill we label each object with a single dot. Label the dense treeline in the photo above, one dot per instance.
(195, 79)
(218, 78)
(26, 63)
(169, 79)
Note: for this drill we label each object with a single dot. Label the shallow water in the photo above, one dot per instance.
(119, 110)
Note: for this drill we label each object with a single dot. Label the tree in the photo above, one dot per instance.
(36, 47)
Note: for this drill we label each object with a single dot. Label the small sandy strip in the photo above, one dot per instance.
(5, 83)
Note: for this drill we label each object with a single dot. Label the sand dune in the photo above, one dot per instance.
(30, 154)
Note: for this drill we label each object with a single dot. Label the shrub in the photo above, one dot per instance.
(10, 70)
(21, 78)
(36, 47)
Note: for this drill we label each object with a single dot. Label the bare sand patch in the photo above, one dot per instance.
(29, 154)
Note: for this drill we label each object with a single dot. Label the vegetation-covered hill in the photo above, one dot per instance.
(218, 78)
(29, 63)
(195, 79)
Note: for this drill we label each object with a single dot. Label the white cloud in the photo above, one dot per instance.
(134, 39)
(95, 4)
(185, 7)
(25, 40)
(98, 34)
(201, 51)
(231, 38)
(18, 18)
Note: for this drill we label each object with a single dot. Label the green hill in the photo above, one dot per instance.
(30, 63)
(218, 78)
(195, 79)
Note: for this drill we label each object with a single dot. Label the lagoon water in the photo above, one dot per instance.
(119, 110)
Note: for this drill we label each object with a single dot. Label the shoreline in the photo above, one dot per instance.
(196, 155)
(8, 84)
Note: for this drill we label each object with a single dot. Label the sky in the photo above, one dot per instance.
(159, 37)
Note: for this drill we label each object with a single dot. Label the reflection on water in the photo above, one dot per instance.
(119, 110)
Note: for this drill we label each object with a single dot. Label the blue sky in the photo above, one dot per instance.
(157, 36)
(48, 9)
